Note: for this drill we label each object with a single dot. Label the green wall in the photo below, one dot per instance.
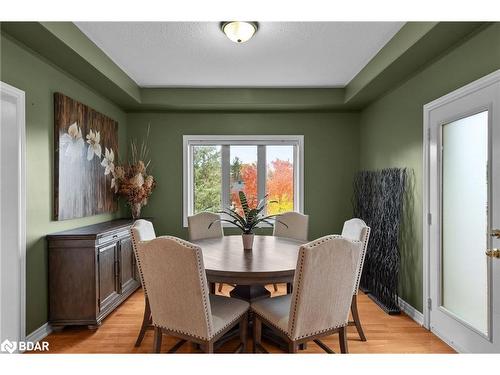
(385, 134)
(40, 79)
(391, 134)
(330, 159)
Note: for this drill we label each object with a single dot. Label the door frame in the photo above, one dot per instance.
(427, 220)
(19, 97)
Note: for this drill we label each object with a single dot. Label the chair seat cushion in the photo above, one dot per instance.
(275, 310)
(225, 311)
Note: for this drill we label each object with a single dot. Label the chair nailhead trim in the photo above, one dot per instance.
(204, 291)
(136, 254)
(236, 317)
(296, 293)
(300, 337)
(181, 332)
(321, 331)
(269, 320)
(362, 260)
(299, 280)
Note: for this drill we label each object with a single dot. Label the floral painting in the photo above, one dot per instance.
(86, 145)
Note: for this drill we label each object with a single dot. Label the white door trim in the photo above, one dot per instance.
(479, 84)
(19, 97)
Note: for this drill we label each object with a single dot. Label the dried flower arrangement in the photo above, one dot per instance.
(131, 181)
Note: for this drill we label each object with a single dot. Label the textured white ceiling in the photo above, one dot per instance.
(281, 54)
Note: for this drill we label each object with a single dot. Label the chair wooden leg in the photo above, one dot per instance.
(288, 288)
(323, 346)
(220, 288)
(275, 286)
(355, 317)
(176, 347)
(257, 333)
(211, 288)
(244, 332)
(146, 321)
(209, 347)
(343, 340)
(293, 347)
(157, 340)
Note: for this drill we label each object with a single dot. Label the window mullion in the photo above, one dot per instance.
(296, 188)
(225, 174)
(261, 173)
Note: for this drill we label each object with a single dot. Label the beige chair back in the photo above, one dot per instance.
(322, 289)
(177, 286)
(356, 229)
(199, 223)
(297, 226)
(141, 230)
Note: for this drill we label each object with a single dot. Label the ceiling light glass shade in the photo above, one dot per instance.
(238, 31)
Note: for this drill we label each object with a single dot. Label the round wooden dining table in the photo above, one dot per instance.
(272, 260)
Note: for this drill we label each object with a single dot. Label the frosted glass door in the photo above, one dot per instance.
(464, 274)
(462, 227)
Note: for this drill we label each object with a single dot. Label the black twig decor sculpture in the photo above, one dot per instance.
(378, 200)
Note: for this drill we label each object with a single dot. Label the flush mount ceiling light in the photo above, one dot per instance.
(239, 31)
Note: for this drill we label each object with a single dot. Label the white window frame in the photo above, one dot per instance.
(259, 140)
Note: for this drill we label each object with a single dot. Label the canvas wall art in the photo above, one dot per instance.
(86, 145)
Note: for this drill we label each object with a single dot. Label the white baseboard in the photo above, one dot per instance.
(412, 312)
(40, 333)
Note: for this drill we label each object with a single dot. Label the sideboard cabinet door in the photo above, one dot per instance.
(108, 282)
(128, 277)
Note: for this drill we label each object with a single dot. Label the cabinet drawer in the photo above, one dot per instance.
(113, 237)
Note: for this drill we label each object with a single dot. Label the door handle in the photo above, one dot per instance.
(495, 233)
(493, 253)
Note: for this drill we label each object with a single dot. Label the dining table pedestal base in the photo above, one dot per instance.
(250, 293)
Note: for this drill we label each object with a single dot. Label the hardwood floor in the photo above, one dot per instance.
(385, 334)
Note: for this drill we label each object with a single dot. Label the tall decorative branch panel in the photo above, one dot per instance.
(378, 200)
(86, 143)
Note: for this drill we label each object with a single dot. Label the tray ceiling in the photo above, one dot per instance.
(281, 54)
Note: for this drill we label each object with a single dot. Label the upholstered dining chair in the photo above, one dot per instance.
(291, 225)
(142, 230)
(356, 229)
(297, 226)
(198, 228)
(170, 267)
(322, 292)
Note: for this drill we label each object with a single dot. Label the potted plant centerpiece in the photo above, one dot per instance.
(248, 218)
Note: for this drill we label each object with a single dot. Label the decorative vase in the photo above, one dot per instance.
(247, 241)
(136, 210)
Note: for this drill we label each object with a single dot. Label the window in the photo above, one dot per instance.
(216, 168)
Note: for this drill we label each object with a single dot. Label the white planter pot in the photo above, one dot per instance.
(247, 241)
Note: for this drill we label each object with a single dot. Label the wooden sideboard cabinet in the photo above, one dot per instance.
(92, 270)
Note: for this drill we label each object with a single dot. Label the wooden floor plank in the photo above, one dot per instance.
(385, 333)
